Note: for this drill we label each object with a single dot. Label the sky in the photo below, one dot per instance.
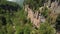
(12, 0)
(20, 2)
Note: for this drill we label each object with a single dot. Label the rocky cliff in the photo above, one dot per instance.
(37, 18)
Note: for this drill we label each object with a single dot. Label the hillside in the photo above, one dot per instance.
(20, 2)
(29, 16)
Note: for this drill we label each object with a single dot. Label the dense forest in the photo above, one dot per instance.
(13, 18)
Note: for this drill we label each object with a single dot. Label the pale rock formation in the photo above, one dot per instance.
(35, 18)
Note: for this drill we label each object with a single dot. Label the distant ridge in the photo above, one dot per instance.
(20, 2)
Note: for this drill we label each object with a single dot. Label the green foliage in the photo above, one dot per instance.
(58, 22)
(45, 28)
(27, 29)
(8, 28)
(58, 18)
(35, 4)
(21, 23)
(45, 12)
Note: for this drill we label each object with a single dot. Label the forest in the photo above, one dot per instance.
(13, 18)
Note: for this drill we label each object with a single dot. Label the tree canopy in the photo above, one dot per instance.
(35, 4)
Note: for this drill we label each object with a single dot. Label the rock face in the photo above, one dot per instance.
(54, 6)
(33, 17)
(36, 17)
